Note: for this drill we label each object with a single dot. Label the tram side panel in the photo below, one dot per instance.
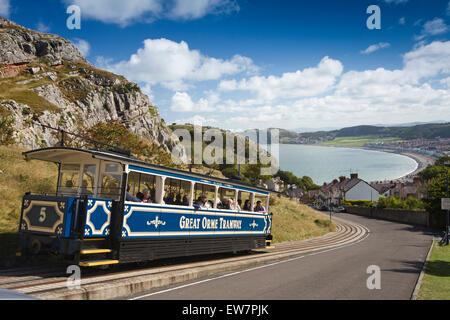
(155, 232)
(46, 224)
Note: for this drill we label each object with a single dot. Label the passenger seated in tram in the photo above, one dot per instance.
(238, 205)
(197, 204)
(222, 204)
(247, 205)
(185, 200)
(203, 203)
(84, 189)
(230, 204)
(130, 197)
(68, 189)
(169, 199)
(178, 201)
(259, 207)
(140, 196)
(147, 196)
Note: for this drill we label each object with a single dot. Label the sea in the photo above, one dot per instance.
(323, 164)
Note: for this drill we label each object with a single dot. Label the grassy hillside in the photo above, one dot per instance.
(18, 176)
(295, 221)
(349, 136)
(357, 141)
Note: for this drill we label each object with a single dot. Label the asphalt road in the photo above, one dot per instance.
(399, 250)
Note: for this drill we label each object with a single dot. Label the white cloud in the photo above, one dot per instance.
(42, 27)
(432, 28)
(118, 11)
(5, 8)
(198, 121)
(402, 20)
(182, 102)
(375, 47)
(358, 97)
(83, 46)
(195, 9)
(427, 61)
(446, 82)
(448, 8)
(127, 12)
(173, 64)
(302, 83)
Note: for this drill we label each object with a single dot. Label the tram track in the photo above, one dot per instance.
(51, 283)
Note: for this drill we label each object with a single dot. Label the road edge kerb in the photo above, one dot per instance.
(134, 285)
(416, 291)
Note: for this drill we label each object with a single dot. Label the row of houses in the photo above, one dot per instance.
(352, 188)
(401, 190)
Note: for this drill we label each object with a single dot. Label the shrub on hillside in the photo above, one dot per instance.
(115, 133)
(357, 203)
(6, 131)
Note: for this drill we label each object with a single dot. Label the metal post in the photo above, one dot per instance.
(62, 138)
(330, 207)
(447, 218)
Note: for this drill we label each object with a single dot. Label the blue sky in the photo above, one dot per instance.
(241, 64)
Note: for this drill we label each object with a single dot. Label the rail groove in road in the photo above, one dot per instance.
(51, 283)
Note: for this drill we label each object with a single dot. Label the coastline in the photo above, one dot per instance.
(422, 160)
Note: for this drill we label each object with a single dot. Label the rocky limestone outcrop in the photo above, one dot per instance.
(19, 45)
(80, 94)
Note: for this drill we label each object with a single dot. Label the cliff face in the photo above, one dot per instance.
(45, 79)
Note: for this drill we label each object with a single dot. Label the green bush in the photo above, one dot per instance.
(358, 203)
(7, 131)
(410, 203)
(305, 182)
(115, 133)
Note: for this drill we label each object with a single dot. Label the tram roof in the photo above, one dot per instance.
(67, 154)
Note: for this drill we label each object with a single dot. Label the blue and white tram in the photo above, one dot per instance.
(91, 221)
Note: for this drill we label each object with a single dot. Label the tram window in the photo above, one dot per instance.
(110, 182)
(147, 181)
(87, 183)
(133, 182)
(176, 191)
(138, 182)
(111, 167)
(69, 179)
(210, 193)
(245, 199)
(263, 200)
(225, 195)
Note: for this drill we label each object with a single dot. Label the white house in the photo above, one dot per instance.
(357, 189)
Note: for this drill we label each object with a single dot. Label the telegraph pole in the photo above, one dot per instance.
(447, 218)
(447, 229)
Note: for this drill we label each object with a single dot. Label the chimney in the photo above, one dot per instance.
(354, 176)
(342, 178)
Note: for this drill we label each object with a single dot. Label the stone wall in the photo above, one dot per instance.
(421, 218)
